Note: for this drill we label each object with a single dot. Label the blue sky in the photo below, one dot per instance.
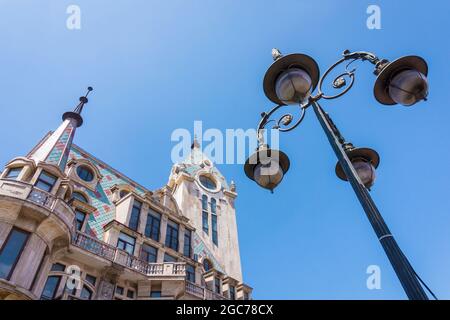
(160, 65)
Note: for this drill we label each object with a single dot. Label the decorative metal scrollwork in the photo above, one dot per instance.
(343, 82)
(284, 122)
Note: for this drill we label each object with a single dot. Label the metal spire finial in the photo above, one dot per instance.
(76, 113)
(83, 101)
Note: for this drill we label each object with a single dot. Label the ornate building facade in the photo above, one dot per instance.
(72, 227)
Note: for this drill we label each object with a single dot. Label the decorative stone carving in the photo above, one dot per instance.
(105, 291)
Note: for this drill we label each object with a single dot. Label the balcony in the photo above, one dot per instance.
(27, 192)
(202, 293)
(120, 257)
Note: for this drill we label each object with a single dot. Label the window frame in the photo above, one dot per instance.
(119, 240)
(19, 253)
(85, 288)
(187, 247)
(77, 211)
(145, 245)
(84, 173)
(39, 180)
(217, 285)
(135, 215)
(172, 235)
(149, 232)
(55, 290)
(190, 272)
(14, 169)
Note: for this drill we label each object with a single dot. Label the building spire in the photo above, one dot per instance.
(195, 143)
(76, 113)
(55, 147)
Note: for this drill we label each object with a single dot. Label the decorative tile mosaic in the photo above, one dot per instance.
(60, 151)
(101, 198)
(202, 251)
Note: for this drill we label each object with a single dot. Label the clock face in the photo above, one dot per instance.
(207, 182)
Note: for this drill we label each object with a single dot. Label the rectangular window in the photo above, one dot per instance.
(155, 294)
(169, 258)
(187, 251)
(153, 225)
(205, 222)
(46, 181)
(119, 290)
(205, 218)
(86, 293)
(91, 279)
(11, 251)
(13, 173)
(130, 294)
(58, 267)
(50, 288)
(215, 238)
(217, 285)
(246, 296)
(126, 243)
(80, 217)
(135, 214)
(172, 235)
(232, 293)
(149, 253)
(190, 273)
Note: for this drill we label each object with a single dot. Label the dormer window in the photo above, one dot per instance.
(85, 173)
(123, 193)
(13, 173)
(45, 181)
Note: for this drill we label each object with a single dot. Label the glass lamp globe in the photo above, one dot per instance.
(293, 86)
(365, 170)
(268, 175)
(408, 87)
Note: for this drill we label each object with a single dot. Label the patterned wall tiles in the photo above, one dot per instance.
(101, 198)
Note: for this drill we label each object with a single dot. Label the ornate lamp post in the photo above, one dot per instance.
(291, 80)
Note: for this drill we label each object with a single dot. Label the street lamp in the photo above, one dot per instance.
(292, 80)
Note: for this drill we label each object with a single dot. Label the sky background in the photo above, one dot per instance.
(160, 65)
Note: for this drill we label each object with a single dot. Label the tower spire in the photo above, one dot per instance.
(55, 148)
(76, 113)
(195, 143)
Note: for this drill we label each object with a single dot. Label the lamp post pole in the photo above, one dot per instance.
(400, 263)
(291, 80)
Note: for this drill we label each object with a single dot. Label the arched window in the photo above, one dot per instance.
(205, 215)
(207, 265)
(85, 173)
(215, 238)
(79, 196)
(123, 193)
(207, 182)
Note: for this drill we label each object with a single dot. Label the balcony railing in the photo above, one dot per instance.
(94, 245)
(27, 192)
(42, 198)
(202, 293)
(123, 258)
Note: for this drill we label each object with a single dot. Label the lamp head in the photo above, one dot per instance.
(403, 81)
(364, 160)
(267, 167)
(291, 78)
